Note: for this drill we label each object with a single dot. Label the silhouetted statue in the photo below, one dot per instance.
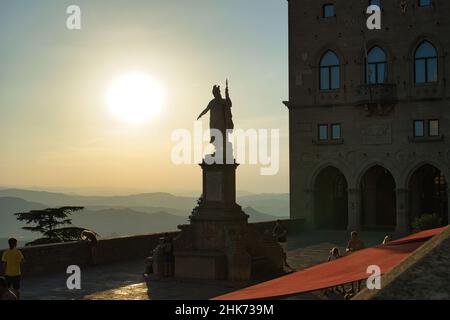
(220, 118)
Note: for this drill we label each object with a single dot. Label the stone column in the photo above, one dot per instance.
(354, 209)
(402, 211)
(309, 207)
(370, 206)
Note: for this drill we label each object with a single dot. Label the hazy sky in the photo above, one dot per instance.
(55, 128)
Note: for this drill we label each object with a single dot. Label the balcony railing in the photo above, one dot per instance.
(376, 94)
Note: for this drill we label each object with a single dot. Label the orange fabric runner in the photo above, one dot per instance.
(350, 268)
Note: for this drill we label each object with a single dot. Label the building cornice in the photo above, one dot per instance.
(290, 105)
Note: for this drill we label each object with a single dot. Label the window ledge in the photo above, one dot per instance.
(329, 142)
(426, 139)
(328, 91)
(332, 19)
(426, 84)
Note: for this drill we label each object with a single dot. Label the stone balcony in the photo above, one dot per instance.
(385, 93)
(378, 99)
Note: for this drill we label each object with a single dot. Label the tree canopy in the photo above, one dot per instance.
(48, 221)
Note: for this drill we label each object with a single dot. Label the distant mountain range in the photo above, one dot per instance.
(138, 200)
(275, 204)
(125, 215)
(272, 204)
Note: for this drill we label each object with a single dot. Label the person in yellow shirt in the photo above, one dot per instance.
(12, 260)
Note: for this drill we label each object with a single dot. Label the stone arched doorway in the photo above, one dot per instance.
(378, 199)
(428, 193)
(331, 200)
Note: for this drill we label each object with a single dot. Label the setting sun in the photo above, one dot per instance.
(135, 97)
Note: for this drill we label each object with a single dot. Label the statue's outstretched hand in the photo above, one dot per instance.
(203, 112)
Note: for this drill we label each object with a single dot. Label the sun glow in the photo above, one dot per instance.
(135, 97)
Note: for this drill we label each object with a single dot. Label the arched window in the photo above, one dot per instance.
(328, 10)
(329, 71)
(425, 3)
(426, 63)
(375, 3)
(376, 68)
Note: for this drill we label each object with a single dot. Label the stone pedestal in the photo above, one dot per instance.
(219, 244)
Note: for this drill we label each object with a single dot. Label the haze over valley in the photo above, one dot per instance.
(112, 216)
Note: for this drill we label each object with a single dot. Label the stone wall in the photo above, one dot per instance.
(55, 258)
(293, 226)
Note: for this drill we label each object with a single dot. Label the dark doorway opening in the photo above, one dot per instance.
(428, 193)
(378, 197)
(331, 200)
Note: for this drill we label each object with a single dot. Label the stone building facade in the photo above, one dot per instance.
(369, 113)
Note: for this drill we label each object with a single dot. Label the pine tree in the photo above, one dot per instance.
(47, 221)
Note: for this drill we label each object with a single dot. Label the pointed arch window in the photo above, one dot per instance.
(425, 3)
(376, 68)
(375, 3)
(330, 75)
(328, 10)
(426, 63)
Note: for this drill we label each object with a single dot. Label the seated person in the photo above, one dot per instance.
(387, 239)
(91, 237)
(355, 243)
(280, 234)
(334, 254)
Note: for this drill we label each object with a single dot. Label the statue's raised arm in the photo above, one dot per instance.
(204, 112)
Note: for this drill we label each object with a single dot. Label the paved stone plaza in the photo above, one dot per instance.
(124, 281)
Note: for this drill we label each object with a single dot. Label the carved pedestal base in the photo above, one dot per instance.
(219, 244)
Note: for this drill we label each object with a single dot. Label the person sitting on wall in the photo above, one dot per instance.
(280, 234)
(5, 293)
(355, 243)
(387, 239)
(334, 254)
(90, 236)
